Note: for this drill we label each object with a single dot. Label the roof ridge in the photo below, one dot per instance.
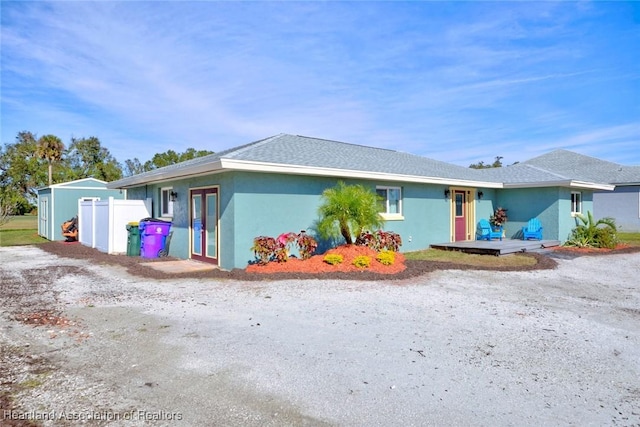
(234, 151)
(544, 170)
(348, 143)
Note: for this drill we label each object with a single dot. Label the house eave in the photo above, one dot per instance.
(582, 185)
(252, 166)
(163, 176)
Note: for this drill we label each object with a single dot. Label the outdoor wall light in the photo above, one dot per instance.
(480, 194)
(173, 196)
(447, 192)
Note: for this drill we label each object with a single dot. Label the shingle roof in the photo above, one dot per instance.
(314, 153)
(570, 165)
(321, 153)
(321, 156)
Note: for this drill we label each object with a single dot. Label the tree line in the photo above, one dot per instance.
(32, 162)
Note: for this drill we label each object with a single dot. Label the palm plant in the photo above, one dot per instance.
(347, 210)
(591, 233)
(50, 148)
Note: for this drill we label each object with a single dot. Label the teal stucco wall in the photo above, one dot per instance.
(255, 204)
(260, 204)
(551, 205)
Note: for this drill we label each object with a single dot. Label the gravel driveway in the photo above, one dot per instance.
(93, 343)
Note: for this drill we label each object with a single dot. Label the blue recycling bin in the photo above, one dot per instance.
(153, 236)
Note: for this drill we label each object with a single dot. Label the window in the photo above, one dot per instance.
(576, 203)
(166, 205)
(390, 203)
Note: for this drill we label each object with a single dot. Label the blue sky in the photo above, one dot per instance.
(454, 81)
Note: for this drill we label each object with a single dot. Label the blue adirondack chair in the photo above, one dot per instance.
(533, 230)
(486, 231)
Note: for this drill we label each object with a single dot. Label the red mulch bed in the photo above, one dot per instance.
(316, 263)
(412, 268)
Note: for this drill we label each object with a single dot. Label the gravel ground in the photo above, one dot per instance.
(86, 341)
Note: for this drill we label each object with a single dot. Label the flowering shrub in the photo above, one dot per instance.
(333, 259)
(269, 249)
(281, 253)
(386, 257)
(362, 261)
(380, 240)
(264, 248)
(499, 217)
(307, 245)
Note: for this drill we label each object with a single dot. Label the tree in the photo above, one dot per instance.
(347, 210)
(159, 160)
(133, 167)
(497, 163)
(6, 210)
(86, 157)
(50, 148)
(21, 173)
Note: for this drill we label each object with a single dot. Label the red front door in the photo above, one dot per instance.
(460, 224)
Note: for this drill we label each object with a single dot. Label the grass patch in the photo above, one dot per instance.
(457, 257)
(632, 239)
(21, 222)
(21, 230)
(20, 237)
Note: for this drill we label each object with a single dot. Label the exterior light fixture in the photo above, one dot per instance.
(447, 193)
(480, 194)
(173, 196)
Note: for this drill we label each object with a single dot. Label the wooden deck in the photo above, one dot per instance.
(497, 247)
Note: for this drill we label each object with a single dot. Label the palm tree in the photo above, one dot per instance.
(50, 148)
(347, 210)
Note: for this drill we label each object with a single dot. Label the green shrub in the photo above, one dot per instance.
(333, 259)
(605, 238)
(593, 234)
(362, 261)
(386, 257)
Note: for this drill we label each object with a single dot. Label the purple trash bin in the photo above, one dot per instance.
(153, 235)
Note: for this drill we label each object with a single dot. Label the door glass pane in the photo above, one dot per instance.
(459, 200)
(212, 225)
(196, 224)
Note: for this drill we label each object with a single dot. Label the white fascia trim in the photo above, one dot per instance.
(160, 176)
(565, 183)
(66, 184)
(244, 165)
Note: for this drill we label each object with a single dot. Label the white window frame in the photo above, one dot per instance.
(387, 215)
(576, 208)
(165, 192)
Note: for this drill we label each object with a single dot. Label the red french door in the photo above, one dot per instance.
(460, 221)
(204, 225)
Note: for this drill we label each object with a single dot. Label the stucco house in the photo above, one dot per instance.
(220, 202)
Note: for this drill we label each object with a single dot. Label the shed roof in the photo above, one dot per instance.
(90, 182)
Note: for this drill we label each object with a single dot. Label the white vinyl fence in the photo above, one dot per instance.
(102, 224)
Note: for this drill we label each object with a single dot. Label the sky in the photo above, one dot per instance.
(460, 82)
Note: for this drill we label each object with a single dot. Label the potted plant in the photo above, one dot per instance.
(498, 219)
